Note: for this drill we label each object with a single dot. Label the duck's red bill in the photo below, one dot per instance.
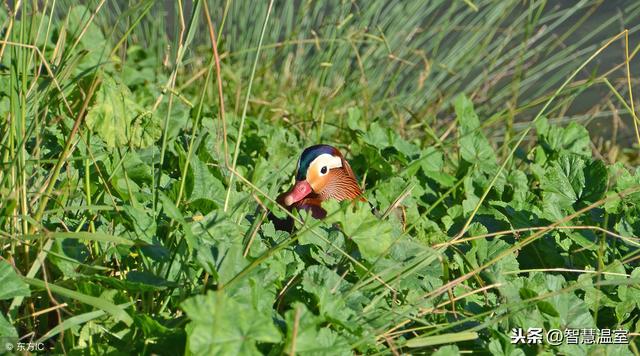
(297, 193)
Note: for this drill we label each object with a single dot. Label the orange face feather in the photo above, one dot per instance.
(322, 174)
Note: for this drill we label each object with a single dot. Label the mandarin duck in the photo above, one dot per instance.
(322, 173)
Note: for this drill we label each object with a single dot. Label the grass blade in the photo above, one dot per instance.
(116, 311)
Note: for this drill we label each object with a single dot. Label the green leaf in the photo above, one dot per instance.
(169, 208)
(202, 184)
(134, 284)
(572, 139)
(449, 350)
(475, 148)
(432, 164)
(12, 285)
(149, 279)
(117, 312)
(629, 224)
(79, 21)
(596, 181)
(221, 326)
(220, 249)
(376, 136)
(75, 321)
(542, 126)
(83, 236)
(547, 308)
(442, 339)
(68, 255)
(595, 298)
(573, 312)
(562, 185)
(305, 335)
(507, 263)
(354, 115)
(138, 168)
(7, 331)
(585, 238)
(466, 115)
(372, 235)
(326, 286)
(142, 221)
(83, 28)
(161, 336)
(118, 119)
(474, 145)
(518, 189)
(471, 200)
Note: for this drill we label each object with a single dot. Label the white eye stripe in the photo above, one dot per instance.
(326, 160)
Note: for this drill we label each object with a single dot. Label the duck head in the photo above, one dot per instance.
(322, 174)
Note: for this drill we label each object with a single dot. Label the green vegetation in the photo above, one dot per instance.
(138, 163)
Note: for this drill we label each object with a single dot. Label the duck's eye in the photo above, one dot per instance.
(323, 170)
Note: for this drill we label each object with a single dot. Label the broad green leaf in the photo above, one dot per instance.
(161, 335)
(68, 255)
(142, 223)
(595, 298)
(372, 235)
(504, 264)
(596, 181)
(566, 178)
(12, 285)
(376, 136)
(118, 119)
(562, 185)
(219, 248)
(517, 189)
(474, 146)
(449, 350)
(7, 331)
(388, 192)
(467, 117)
(327, 287)
(80, 24)
(203, 185)
(472, 200)
(82, 28)
(306, 336)
(573, 312)
(571, 139)
(221, 326)
(547, 308)
(584, 238)
(170, 208)
(406, 148)
(542, 126)
(310, 236)
(432, 164)
(625, 181)
(496, 348)
(137, 166)
(354, 115)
